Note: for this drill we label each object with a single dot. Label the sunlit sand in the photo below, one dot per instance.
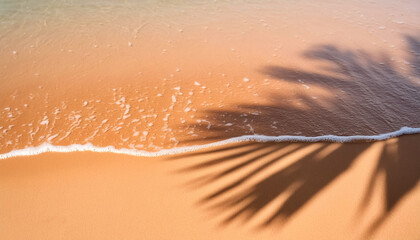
(209, 120)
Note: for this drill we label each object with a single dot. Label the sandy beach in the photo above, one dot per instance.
(237, 191)
(100, 101)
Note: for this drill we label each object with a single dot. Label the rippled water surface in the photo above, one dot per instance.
(153, 75)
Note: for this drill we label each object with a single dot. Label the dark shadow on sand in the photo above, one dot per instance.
(373, 86)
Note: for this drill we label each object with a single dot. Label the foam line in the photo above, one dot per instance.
(47, 147)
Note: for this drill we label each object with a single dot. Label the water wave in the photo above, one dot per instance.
(47, 147)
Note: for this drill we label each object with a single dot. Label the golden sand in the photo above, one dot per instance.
(237, 191)
(153, 75)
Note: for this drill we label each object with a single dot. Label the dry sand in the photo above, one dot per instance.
(237, 191)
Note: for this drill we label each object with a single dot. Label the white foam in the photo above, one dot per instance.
(127, 110)
(52, 137)
(47, 147)
(45, 121)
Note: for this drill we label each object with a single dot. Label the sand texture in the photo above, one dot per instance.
(237, 191)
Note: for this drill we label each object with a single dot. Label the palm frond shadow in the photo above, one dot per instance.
(283, 177)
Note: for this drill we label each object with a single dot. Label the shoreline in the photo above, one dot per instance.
(242, 190)
(47, 147)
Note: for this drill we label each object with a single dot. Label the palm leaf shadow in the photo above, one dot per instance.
(375, 89)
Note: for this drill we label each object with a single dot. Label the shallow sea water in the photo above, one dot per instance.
(154, 75)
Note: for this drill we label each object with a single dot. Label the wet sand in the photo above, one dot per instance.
(161, 75)
(236, 191)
